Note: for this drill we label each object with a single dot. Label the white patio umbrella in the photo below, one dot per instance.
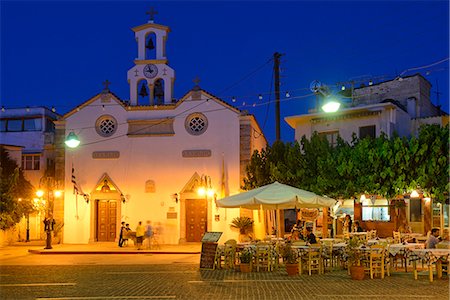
(276, 196)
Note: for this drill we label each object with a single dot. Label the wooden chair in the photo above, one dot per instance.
(329, 259)
(372, 234)
(275, 256)
(263, 256)
(397, 237)
(313, 261)
(230, 254)
(377, 260)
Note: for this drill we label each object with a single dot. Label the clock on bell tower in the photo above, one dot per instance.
(151, 79)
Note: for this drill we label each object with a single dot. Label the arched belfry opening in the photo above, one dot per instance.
(106, 202)
(143, 92)
(158, 91)
(150, 46)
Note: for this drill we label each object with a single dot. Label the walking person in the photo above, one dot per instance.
(149, 234)
(140, 232)
(122, 229)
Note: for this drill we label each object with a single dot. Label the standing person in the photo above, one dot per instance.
(149, 233)
(140, 232)
(347, 224)
(122, 229)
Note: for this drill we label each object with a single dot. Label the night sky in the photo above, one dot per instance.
(59, 53)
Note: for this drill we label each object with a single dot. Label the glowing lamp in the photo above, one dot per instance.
(331, 106)
(72, 140)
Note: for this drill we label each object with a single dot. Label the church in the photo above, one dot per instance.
(152, 157)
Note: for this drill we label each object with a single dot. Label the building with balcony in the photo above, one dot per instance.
(395, 106)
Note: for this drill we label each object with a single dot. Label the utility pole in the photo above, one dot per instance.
(276, 71)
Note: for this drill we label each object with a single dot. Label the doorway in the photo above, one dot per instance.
(196, 219)
(106, 220)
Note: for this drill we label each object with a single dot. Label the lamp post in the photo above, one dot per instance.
(50, 185)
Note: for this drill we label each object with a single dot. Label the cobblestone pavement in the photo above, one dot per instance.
(186, 281)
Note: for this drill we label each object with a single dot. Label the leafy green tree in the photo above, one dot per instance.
(382, 166)
(430, 157)
(16, 192)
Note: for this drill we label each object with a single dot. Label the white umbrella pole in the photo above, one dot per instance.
(278, 220)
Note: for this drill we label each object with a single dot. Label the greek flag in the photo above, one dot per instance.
(76, 190)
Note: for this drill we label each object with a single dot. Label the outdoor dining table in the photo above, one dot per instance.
(376, 241)
(430, 256)
(334, 240)
(401, 250)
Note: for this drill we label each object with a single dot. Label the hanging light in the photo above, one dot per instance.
(53, 109)
(343, 88)
(3, 109)
(72, 140)
(233, 99)
(260, 97)
(287, 94)
(371, 82)
(414, 194)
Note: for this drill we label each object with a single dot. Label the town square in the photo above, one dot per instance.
(237, 150)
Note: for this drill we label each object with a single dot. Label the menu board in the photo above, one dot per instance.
(208, 255)
(211, 237)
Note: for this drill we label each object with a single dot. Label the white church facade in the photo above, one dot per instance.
(146, 158)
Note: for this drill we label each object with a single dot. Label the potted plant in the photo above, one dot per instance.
(245, 259)
(290, 259)
(354, 256)
(244, 224)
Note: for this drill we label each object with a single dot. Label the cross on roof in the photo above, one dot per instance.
(151, 13)
(196, 80)
(106, 83)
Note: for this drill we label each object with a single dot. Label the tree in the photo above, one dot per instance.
(380, 166)
(430, 155)
(16, 192)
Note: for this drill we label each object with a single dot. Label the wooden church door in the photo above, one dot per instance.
(106, 220)
(196, 219)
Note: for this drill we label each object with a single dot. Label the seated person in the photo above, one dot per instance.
(310, 237)
(297, 226)
(357, 227)
(445, 243)
(295, 236)
(433, 239)
(404, 228)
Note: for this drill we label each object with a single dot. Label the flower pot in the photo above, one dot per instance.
(357, 272)
(292, 269)
(245, 268)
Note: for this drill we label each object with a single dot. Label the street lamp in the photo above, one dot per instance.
(72, 140)
(50, 187)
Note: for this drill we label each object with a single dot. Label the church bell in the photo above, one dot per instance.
(143, 92)
(150, 45)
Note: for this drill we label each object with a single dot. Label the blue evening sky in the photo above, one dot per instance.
(59, 53)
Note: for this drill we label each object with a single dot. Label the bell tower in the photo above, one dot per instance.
(151, 79)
